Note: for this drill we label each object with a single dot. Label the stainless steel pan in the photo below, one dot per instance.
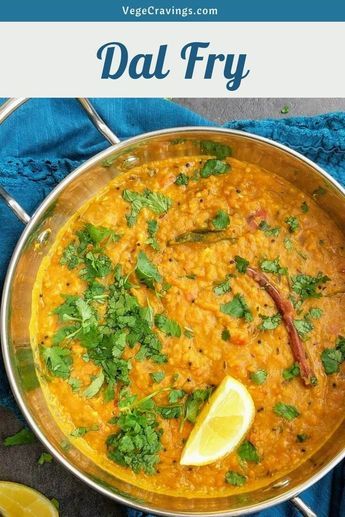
(35, 242)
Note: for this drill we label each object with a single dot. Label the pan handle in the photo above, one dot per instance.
(304, 509)
(11, 105)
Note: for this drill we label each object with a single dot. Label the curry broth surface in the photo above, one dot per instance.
(192, 269)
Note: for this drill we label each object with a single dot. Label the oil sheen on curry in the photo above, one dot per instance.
(179, 273)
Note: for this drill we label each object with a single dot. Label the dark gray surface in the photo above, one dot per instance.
(20, 463)
(222, 110)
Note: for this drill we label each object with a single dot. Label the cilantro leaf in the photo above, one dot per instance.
(94, 386)
(74, 383)
(314, 313)
(304, 207)
(45, 458)
(225, 335)
(194, 402)
(181, 179)
(79, 432)
(241, 264)
(175, 396)
(146, 271)
(154, 201)
(214, 167)
(306, 285)
(167, 326)
(269, 230)
(222, 287)
(302, 437)
(234, 478)
(292, 223)
(23, 437)
(237, 308)
(97, 234)
(97, 265)
(286, 411)
(169, 412)
(303, 327)
(58, 360)
(290, 373)
(70, 256)
(152, 227)
(258, 377)
(288, 244)
(221, 220)
(270, 322)
(157, 376)
(331, 360)
(248, 452)
(340, 345)
(273, 266)
(216, 149)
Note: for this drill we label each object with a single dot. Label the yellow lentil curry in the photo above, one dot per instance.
(179, 273)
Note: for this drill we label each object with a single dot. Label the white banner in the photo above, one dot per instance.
(180, 60)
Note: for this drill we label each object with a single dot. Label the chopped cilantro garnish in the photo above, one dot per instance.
(214, 167)
(194, 403)
(45, 458)
(234, 478)
(304, 207)
(182, 179)
(175, 396)
(273, 266)
(23, 437)
(74, 383)
(146, 271)
(221, 220)
(258, 377)
(138, 442)
(237, 308)
(157, 376)
(216, 149)
(222, 287)
(306, 285)
(248, 452)
(302, 437)
(154, 201)
(293, 223)
(303, 327)
(78, 432)
(167, 326)
(288, 244)
(333, 357)
(58, 360)
(152, 228)
(286, 411)
(268, 230)
(314, 313)
(290, 373)
(270, 322)
(241, 264)
(225, 335)
(94, 386)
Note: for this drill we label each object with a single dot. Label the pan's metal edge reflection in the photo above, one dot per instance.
(5, 305)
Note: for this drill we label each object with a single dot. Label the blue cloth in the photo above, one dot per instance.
(47, 138)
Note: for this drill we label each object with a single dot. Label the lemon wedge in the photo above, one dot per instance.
(22, 501)
(221, 425)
